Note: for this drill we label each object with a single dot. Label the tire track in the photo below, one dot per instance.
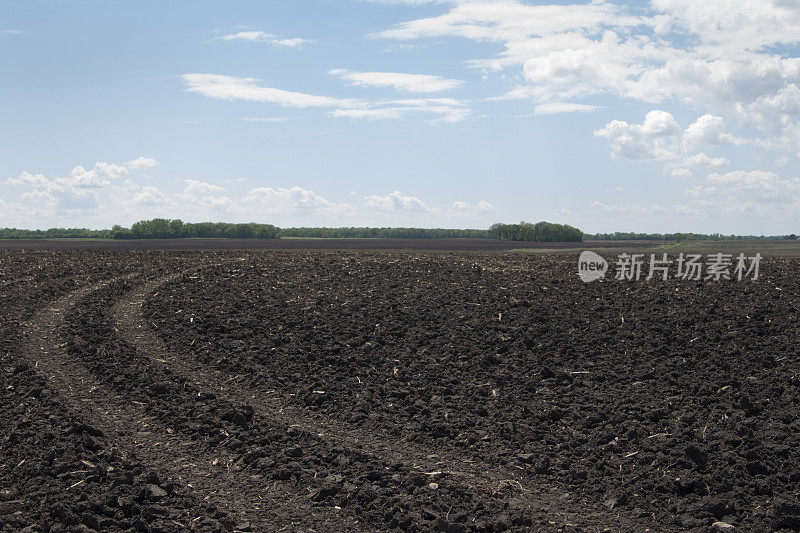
(561, 508)
(206, 471)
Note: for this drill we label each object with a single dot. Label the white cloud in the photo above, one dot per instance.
(600, 47)
(679, 172)
(147, 196)
(680, 168)
(264, 119)
(702, 160)
(26, 178)
(660, 138)
(103, 196)
(417, 83)
(770, 111)
(199, 188)
(482, 205)
(634, 209)
(295, 199)
(642, 141)
(260, 36)
(709, 130)
(231, 88)
(757, 193)
(12, 32)
(142, 162)
(369, 114)
(554, 108)
(76, 192)
(739, 25)
(408, 2)
(731, 61)
(98, 176)
(479, 210)
(510, 21)
(396, 202)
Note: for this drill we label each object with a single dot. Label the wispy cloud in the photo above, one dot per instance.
(248, 89)
(233, 88)
(416, 83)
(264, 119)
(263, 37)
(554, 108)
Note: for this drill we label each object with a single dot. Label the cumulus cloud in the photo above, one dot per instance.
(95, 177)
(661, 138)
(262, 37)
(720, 57)
(77, 191)
(415, 83)
(482, 205)
(396, 202)
(709, 130)
(770, 110)
(294, 199)
(641, 141)
(147, 196)
(633, 209)
(80, 178)
(755, 192)
(26, 178)
(101, 193)
(702, 160)
(681, 168)
(104, 194)
(600, 47)
(479, 210)
(142, 162)
(199, 188)
(734, 26)
(678, 172)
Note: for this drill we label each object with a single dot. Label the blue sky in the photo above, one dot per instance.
(664, 116)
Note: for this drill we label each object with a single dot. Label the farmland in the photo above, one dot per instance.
(363, 389)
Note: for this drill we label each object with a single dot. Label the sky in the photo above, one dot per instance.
(661, 116)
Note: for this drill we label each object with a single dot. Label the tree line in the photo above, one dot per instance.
(54, 233)
(539, 232)
(678, 237)
(163, 228)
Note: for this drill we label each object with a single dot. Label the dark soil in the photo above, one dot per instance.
(404, 390)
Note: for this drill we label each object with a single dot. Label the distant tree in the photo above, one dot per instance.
(176, 228)
(539, 232)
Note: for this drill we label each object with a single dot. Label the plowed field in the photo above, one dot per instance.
(391, 390)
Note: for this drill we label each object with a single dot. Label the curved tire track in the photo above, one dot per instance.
(206, 471)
